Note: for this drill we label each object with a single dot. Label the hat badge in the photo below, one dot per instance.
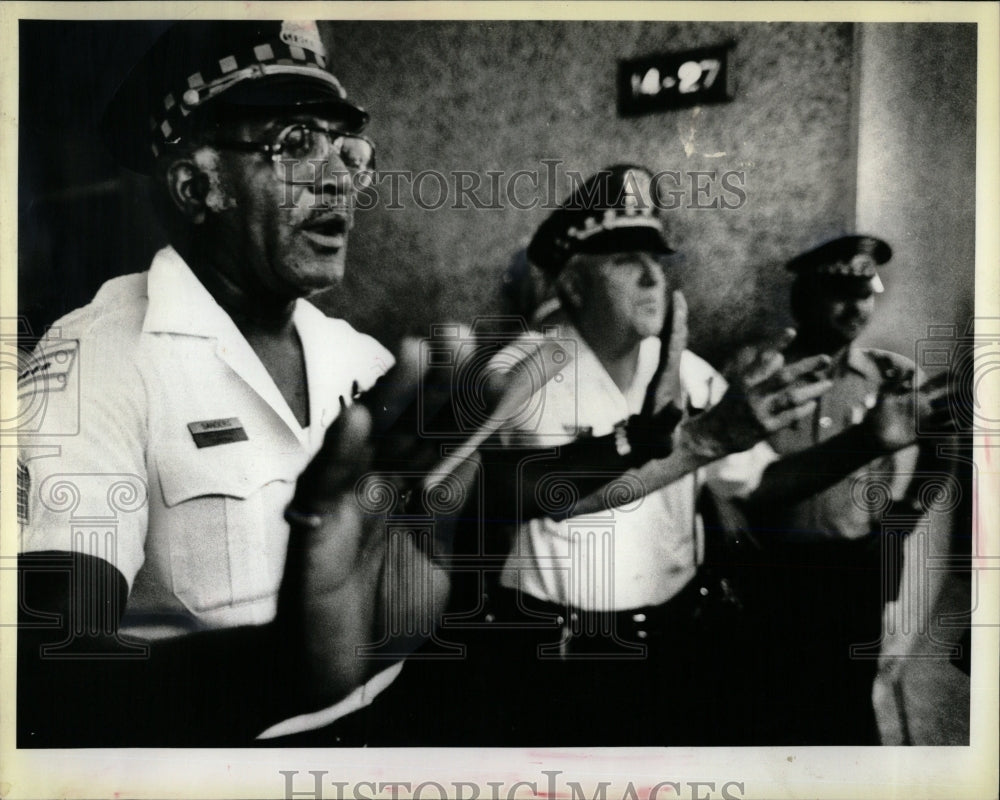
(867, 245)
(302, 33)
(863, 265)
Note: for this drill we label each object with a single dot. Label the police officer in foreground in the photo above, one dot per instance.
(217, 446)
(826, 572)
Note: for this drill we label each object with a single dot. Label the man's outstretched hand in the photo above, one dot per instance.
(354, 586)
(902, 411)
(765, 395)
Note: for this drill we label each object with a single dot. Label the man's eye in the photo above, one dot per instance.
(297, 142)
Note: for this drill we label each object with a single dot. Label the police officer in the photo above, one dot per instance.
(606, 588)
(197, 393)
(825, 578)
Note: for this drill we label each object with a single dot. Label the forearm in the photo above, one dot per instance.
(642, 480)
(526, 483)
(798, 476)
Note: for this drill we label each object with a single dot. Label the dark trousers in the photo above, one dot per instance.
(662, 675)
(817, 616)
(542, 675)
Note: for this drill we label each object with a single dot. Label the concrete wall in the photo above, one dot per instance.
(505, 96)
(916, 173)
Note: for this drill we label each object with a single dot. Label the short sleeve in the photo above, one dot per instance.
(81, 458)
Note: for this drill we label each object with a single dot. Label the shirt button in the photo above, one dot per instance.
(490, 618)
(703, 591)
(641, 634)
(638, 617)
(825, 422)
(560, 620)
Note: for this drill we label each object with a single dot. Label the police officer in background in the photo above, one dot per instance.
(215, 425)
(826, 573)
(602, 635)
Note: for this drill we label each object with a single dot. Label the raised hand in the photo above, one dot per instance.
(344, 567)
(902, 410)
(665, 387)
(765, 395)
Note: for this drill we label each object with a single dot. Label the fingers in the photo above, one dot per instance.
(786, 418)
(939, 402)
(811, 368)
(795, 402)
(741, 362)
(678, 325)
(344, 457)
(781, 340)
(395, 392)
(765, 363)
(805, 392)
(753, 365)
(936, 386)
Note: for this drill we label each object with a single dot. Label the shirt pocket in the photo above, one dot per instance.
(223, 525)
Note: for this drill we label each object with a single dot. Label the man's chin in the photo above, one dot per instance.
(650, 326)
(304, 283)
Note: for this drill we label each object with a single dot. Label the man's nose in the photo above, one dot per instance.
(333, 180)
(652, 272)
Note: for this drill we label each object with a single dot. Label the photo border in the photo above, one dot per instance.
(764, 772)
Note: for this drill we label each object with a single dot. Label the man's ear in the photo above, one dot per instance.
(188, 187)
(569, 286)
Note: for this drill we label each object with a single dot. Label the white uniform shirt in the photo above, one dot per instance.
(116, 402)
(638, 555)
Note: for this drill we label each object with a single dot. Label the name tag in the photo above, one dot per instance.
(211, 432)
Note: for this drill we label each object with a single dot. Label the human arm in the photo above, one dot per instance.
(764, 395)
(890, 426)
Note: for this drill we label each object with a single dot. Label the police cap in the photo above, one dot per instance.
(613, 211)
(853, 258)
(199, 64)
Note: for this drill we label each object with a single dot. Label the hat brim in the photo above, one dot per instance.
(292, 92)
(623, 240)
(127, 139)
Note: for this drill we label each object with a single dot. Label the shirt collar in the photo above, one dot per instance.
(180, 303)
(587, 361)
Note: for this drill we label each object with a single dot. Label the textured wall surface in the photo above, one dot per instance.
(505, 96)
(916, 173)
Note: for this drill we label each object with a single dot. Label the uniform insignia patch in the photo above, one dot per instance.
(212, 432)
(46, 369)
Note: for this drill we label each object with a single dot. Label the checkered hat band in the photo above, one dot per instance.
(611, 221)
(858, 267)
(173, 110)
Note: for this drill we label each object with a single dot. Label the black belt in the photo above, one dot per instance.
(640, 624)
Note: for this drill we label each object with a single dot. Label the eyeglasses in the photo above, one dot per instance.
(296, 150)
